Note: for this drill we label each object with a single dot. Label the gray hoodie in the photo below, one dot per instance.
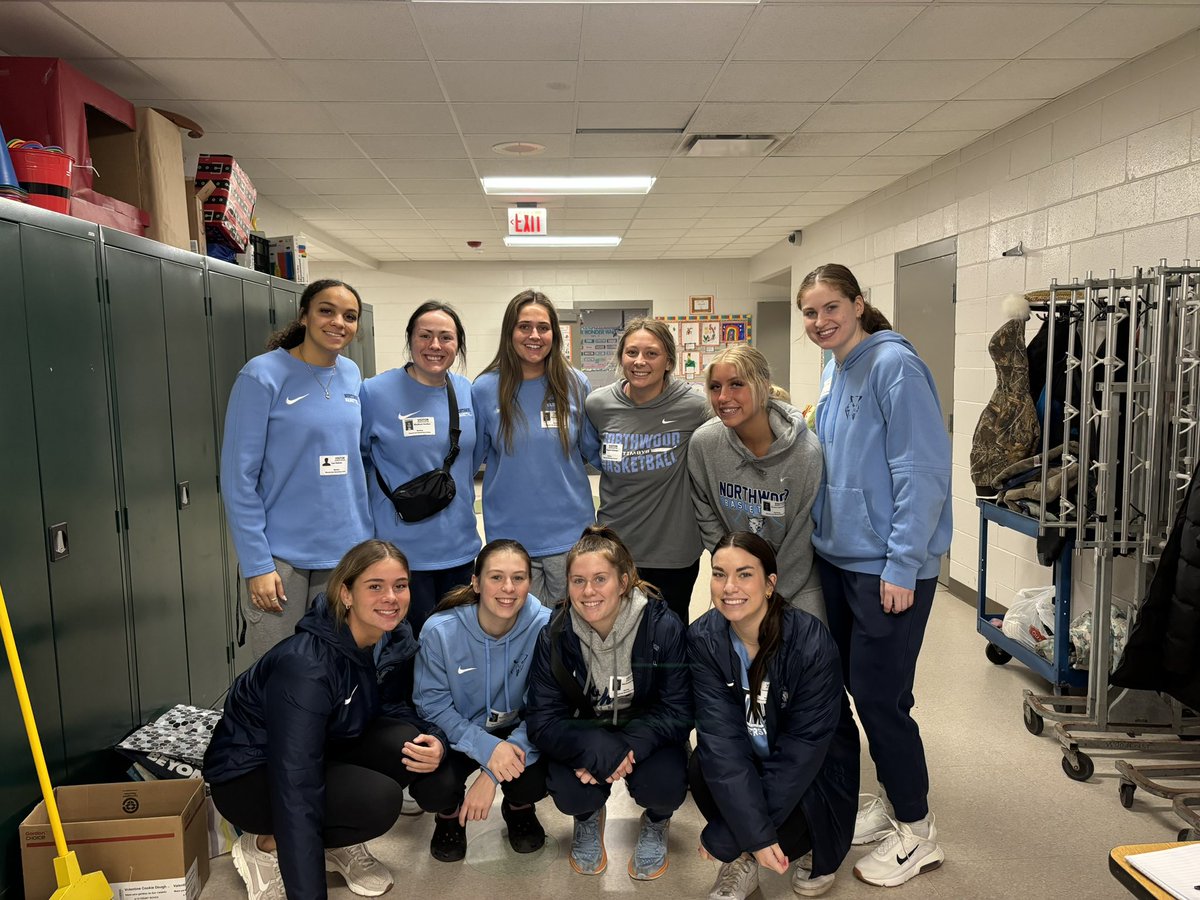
(734, 490)
(644, 491)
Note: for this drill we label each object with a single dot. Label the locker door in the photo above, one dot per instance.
(285, 302)
(195, 449)
(139, 350)
(23, 569)
(78, 478)
(256, 307)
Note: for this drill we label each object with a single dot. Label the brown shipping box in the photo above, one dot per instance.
(145, 168)
(149, 838)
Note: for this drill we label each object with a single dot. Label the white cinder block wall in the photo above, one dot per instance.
(480, 291)
(1107, 176)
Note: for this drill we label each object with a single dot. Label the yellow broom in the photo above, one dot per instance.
(72, 884)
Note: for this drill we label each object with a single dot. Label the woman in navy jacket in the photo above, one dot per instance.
(302, 761)
(775, 773)
(610, 699)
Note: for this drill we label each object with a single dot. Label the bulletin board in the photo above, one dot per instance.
(698, 338)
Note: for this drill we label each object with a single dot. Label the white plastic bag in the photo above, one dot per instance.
(1030, 619)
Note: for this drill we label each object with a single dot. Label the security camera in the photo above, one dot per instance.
(795, 237)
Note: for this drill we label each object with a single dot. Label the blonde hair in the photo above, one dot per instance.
(659, 331)
(776, 392)
(751, 365)
(356, 561)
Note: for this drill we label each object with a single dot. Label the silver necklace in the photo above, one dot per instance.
(316, 378)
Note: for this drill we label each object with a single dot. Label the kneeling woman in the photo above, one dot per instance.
(302, 761)
(609, 699)
(775, 773)
(470, 682)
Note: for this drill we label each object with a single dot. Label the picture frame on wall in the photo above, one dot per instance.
(701, 304)
(733, 331)
(710, 333)
(689, 334)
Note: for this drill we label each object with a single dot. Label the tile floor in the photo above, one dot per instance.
(1011, 823)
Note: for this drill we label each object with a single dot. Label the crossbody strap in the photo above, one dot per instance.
(575, 695)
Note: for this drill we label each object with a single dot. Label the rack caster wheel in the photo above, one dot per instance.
(1085, 770)
(1034, 723)
(1125, 792)
(996, 655)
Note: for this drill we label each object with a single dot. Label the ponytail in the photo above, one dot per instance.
(842, 280)
(770, 635)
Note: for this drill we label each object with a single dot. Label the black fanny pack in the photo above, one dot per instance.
(427, 494)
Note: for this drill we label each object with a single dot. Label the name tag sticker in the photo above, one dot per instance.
(612, 452)
(335, 465)
(498, 718)
(773, 508)
(550, 418)
(419, 426)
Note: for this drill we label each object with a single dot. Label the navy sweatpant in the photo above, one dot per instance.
(657, 784)
(879, 662)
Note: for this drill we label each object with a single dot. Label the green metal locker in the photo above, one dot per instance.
(79, 496)
(256, 308)
(201, 529)
(143, 412)
(23, 572)
(285, 301)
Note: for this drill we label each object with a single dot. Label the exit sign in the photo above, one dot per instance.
(527, 220)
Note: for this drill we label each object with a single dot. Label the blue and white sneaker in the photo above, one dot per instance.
(649, 859)
(587, 844)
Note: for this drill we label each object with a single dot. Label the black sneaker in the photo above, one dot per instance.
(449, 841)
(525, 832)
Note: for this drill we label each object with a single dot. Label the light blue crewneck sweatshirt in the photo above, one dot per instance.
(884, 507)
(535, 494)
(291, 472)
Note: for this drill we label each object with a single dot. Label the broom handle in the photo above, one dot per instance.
(35, 744)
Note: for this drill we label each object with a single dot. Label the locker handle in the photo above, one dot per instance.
(60, 542)
(183, 494)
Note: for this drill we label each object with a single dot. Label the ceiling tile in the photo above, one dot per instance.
(888, 165)
(262, 117)
(489, 118)
(661, 200)
(342, 30)
(783, 81)
(494, 164)
(916, 80)
(980, 30)
(1118, 32)
(440, 204)
(625, 145)
(391, 118)
(33, 29)
(264, 168)
(403, 214)
(337, 79)
(393, 203)
(500, 31)
(736, 212)
(518, 81)
(327, 186)
(285, 186)
(759, 184)
(281, 146)
(853, 183)
(206, 79)
(480, 145)
(810, 165)
(124, 78)
(750, 118)
(661, 31)
(411, 146)
(701, 165)
(1038, 79)
(982, 115)
(719, 184)
(410, 186)
(426, 168)
(173, 30)
(678, 214)
(868, 116)
(635, 115)
(857, 143)
(615, 166)
(300, 201)
(928, 143)
(828, 32)
(646, 80)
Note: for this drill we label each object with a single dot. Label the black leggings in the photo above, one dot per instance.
(443, 791)
(658, 784)
(794, 837)
(675, 585)
(364, 782)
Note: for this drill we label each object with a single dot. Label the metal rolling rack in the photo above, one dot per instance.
(1136, 355)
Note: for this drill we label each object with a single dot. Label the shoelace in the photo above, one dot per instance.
(652, 844)
(732, 875)
(588, 831)
(896, 836)
(874, 801)
(359, 854)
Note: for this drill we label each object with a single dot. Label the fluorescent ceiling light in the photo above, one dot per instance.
(589, 240)
(567, 185)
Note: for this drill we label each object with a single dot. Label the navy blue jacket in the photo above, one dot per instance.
(315, 687)
(660, 714)
(811, 733)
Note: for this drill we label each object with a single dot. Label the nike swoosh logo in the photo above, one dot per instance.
(901, 860)
(404, 416)
(662, 449)
(346, 702)
(729, 684)
(669, 421)
(290, 400)
(462, 671)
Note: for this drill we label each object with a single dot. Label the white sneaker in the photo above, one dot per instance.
(872, 822)
(258, 868)
(410, 807)
(364, 874)
(803, 882)
(901, 856)
(736, 880)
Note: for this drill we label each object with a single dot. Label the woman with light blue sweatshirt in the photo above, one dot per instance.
(291, 473)
(470, 680)
(531, 430)
(882, 526)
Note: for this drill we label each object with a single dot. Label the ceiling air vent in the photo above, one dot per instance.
(731, 144)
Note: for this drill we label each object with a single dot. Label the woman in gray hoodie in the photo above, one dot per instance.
(645, 420)
(757, 468)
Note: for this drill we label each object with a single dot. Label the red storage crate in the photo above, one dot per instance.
(228, 209)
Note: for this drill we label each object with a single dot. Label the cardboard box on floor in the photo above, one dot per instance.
(145, 168)
(150, 839)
